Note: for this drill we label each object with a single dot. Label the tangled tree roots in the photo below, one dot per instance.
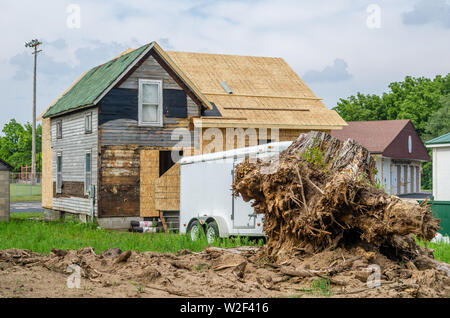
(323, 194)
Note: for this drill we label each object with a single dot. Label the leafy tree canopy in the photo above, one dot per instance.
(16, 143)
(426, 102)
(414, 98)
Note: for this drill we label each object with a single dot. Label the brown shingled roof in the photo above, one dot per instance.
(386, 137)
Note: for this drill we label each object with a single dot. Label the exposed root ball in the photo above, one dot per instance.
(323, 195)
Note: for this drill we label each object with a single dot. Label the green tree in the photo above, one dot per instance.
(439, 122)
(437, 125)
(426, 102)
(15, 144)
(414, 98)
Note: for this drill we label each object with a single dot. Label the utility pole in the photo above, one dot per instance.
(34, 44)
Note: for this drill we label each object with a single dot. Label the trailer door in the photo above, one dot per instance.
(242, 212)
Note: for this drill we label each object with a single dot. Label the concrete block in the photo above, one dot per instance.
(53, 215)
(117, 222)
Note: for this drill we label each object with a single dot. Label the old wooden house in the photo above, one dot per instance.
(107, 141)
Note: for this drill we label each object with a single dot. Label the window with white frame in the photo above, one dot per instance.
(59, 172)
(87, 171)
(150, 103)
(88, 123)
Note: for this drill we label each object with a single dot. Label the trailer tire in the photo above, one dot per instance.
(194, 230)
(212, 231)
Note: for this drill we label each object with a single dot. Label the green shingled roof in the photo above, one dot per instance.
(444, 139)
(94, 83)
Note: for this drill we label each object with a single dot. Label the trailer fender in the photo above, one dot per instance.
(221, 224)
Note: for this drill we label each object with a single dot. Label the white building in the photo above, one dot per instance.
(441, 167)
(397, 148)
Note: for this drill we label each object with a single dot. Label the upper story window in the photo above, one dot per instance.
(88, 123)
(409, 144)
(150, 103)
(59, 129)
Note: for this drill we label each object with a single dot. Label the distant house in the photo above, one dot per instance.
(113, 130)
(398, 150)
(441, 167)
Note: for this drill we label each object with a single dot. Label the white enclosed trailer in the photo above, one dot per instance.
(206, 198)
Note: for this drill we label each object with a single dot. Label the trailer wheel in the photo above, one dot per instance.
(194, 230)
(212, 231)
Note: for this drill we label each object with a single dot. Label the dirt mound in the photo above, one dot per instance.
(214, 272)
(323, 195)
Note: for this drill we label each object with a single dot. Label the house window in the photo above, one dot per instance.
(150, 103)
(59, 129)
(59, 172)
(88, 123)
(87, 171)
(409, 144)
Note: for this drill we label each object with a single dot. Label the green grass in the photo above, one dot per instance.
(28, 198)
(320, 287)
(441, 250)
(25, 192)
(41, 237)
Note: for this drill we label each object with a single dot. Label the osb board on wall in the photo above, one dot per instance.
(292, 134)
(167, 190)
(47, 178)
(119, 187)
(251, 137)
(148, 174)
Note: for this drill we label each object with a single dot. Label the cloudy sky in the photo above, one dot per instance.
(337, 47)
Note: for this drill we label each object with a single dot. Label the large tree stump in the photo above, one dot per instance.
(323, 195)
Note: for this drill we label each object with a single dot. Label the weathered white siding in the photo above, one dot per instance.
(389, 172)
(441, 173)
(73, 146)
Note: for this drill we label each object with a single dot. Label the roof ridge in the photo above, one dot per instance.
(225, 54)
(365, 121)
(103, 77)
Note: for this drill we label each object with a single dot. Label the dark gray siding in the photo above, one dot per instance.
(119, 110)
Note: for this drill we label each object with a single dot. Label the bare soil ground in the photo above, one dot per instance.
(214, 272)
(330, 233)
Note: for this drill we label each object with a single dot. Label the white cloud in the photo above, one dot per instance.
(335, 73)
(308, 35)
(426, 11)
